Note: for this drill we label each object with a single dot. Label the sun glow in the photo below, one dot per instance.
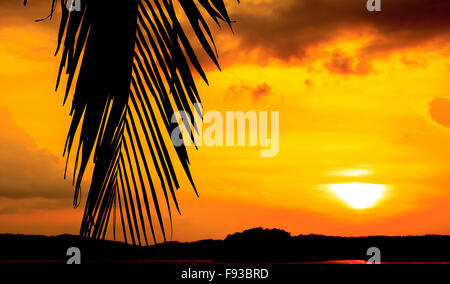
(352, 172)
(359, 195)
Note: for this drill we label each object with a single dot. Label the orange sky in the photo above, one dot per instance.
(362, 98)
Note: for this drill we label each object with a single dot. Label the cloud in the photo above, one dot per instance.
(288, 29)
(285, 30)
(414, 63)
(13, 12)
(30, 205)
(257, 93)
(261, 91)
(309, 83)
(440, 111)
(27, 171)
(343, 64)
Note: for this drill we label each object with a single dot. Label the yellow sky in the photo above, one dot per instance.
(368, 121)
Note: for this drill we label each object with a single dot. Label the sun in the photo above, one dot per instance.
(359, 195)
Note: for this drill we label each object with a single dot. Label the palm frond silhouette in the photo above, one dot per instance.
(129, 67)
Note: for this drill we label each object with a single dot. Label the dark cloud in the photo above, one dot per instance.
(25, 170)
(440, 111)
(257, 93)
(13, 12)
(288, 28)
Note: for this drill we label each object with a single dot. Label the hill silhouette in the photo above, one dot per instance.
(255, 245)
